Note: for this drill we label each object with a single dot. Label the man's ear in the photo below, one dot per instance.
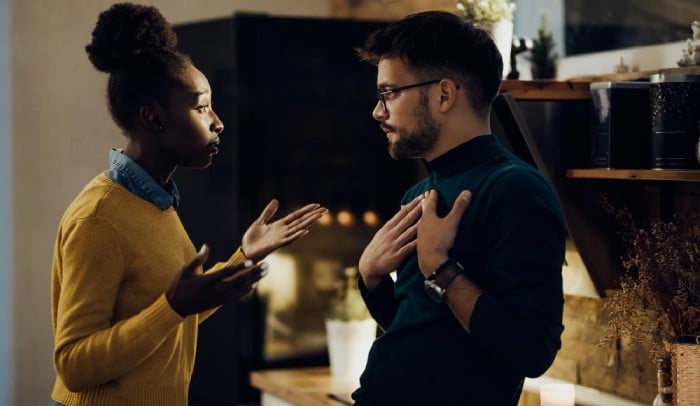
(448, 94)
(150, 118)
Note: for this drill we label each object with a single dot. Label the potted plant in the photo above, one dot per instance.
(659, 297)
(542, 56)
(350, 329)
(494, 16)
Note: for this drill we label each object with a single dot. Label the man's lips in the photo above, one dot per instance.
(388, 130)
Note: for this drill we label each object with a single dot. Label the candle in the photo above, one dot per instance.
(557, 394)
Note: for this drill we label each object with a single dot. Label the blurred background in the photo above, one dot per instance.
(296, 105)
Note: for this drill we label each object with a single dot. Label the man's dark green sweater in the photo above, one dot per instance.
(511, 243)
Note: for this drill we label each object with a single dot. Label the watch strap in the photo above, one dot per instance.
(436, 284)
(448, 272)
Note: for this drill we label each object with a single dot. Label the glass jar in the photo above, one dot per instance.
(664, 396)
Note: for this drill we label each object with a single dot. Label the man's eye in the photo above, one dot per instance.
(203, 109)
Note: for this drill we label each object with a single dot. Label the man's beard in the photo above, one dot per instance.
(414, 144)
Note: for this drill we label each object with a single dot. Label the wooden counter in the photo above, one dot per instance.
(312, 387)
(300, 386)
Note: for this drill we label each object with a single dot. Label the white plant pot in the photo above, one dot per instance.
(348, 346)
(502, 34)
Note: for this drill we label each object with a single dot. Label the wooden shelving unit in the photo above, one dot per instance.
(547, 89)
(680, 175)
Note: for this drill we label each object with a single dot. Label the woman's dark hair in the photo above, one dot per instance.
(137, 47)
(442, 43)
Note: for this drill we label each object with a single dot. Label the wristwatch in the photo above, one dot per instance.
(436, 284)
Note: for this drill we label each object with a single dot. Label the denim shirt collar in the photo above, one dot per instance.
(127, 173)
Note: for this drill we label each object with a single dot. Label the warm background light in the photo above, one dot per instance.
(370, 218)
(326, 219)
(345, 218)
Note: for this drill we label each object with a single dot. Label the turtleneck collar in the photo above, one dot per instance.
(465, 156)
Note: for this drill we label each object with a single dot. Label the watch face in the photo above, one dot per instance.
(433, 291)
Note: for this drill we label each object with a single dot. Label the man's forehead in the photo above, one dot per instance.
(391, 69)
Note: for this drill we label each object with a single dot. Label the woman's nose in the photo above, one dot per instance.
(217, 125)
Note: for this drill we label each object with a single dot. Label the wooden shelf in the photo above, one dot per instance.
(547, 89)
(683, 175)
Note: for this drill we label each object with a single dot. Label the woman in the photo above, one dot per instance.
(127, 285)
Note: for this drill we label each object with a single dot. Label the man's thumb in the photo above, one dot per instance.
(460, 205)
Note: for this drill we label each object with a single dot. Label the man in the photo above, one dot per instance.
(477, 301)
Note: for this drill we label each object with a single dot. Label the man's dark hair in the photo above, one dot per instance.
(444, 44)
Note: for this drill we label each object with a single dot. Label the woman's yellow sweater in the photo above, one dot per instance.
(117, 340)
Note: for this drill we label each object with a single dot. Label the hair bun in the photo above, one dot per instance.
(124, 32)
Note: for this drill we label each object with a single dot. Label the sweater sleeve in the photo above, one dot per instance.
(236, 258)
(89, 349)
(380, 302)
(519, 316)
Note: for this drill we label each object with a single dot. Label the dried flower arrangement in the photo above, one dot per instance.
(486, 11)
(659, 295)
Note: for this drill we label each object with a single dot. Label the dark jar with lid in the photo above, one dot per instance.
(675, 117)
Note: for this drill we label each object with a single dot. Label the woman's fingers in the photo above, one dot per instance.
(268, 211)
(299, 213)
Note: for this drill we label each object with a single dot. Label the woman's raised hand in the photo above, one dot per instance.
(192, 292)
(263, 237)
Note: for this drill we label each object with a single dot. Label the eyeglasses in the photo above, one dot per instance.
(381, 94)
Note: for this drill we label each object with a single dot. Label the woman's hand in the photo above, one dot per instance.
(262, 238)
(391, 244)
(437, 235)
(192, 293)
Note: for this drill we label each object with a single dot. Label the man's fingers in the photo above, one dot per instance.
(460, 205)
(268, 211)
(409, 214)
(430, 202)
(408, 235)
(404, 211)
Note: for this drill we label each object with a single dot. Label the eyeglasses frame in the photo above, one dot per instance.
(381, 94)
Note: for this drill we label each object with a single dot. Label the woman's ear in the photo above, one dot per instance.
(150, 118)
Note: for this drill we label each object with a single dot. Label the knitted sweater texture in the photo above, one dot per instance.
(117, 340)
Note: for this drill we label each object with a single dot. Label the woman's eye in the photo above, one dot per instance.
(203, 109)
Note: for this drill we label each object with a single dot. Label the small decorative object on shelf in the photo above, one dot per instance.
(620, 122)
(675, 114)
(542, 55)
(622, 67)
(659, 297)
(519, 45)
(496, 17)
(664, 396)
(690, 56)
